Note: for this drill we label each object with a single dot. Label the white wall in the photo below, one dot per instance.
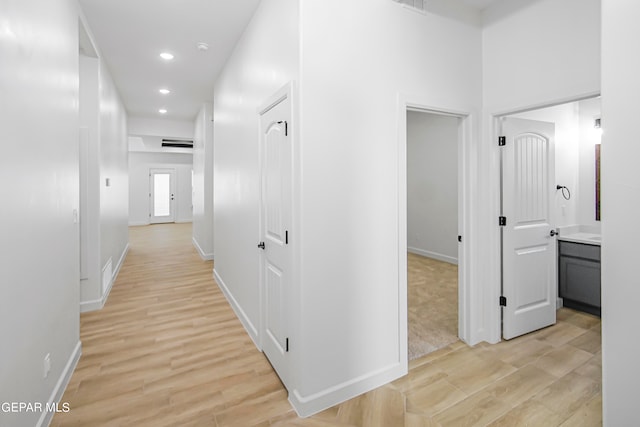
(621, 204)
(524, 67)
(91, 267)
(139, 184)
(357, 58)
(160, 127)
(203, 182)
(39, 296)
(105, 208)
(432, 185)
(265, 58)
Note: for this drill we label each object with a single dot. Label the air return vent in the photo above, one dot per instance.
(414, 4)
(179, 143)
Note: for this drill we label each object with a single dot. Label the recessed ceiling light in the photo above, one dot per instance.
(202, 46)
(164, 91)
(166, 56)
(162, 111)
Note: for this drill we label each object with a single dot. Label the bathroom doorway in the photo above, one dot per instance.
(573, 205)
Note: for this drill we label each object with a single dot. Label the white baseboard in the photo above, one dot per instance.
(138, 223)
(244, 319)
(97, 304)
(434, 255)
(203, 255)
(61, 385)
(306, 406)
(183, 221)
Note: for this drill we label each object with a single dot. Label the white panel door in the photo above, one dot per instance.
(162, 195)
(275, 225)
(529, 266)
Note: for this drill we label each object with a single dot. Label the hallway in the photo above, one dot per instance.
(167, 350)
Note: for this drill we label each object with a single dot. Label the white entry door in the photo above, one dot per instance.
(162, 195)
(275, 227)
(529, 278)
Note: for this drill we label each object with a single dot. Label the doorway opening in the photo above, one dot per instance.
(432, 230)
(564, 204)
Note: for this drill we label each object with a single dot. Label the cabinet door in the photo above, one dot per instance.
(580, 280)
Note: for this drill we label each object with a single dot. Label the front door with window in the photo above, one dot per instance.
(161, 196)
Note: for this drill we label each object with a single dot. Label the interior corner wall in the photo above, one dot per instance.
(114, 178)
(140, 164)
(203, 182)
(264, 60)
(621, 203)
(358, 57)
(432, 185)
(39, 262)
(523, 68)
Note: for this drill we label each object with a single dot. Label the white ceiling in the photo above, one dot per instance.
(130, 35)
(479, 4)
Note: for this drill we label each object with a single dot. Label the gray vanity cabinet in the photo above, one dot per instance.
(579, 276)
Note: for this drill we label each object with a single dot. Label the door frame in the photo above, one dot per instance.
(172, 189)
(492, 310)
(466, 170)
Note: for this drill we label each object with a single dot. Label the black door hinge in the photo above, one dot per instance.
(502, 141)
(502, 221)
(286, 237)
(503, 301)
(287, 345)
(286, 127)
(459, 238)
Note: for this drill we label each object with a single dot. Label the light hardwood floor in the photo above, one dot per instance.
(167, 350)
(432, 304)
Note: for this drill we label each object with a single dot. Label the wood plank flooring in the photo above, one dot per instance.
(167, 350)
(432, 304)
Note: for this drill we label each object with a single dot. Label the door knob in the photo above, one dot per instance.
(553, 233)
(261, 245)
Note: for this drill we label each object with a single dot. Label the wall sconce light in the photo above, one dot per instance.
(597, 125)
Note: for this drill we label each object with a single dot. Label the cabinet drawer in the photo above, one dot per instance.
(579, 250)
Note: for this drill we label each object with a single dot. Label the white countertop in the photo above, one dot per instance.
(580, 237)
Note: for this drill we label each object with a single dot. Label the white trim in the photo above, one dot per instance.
(183, 221)
(203, 255)
(508, 111)
(98, 304)
(61, 384)
(433, 255)
(244, 319)
(138, 223)
(308, 405)
(469, 326)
